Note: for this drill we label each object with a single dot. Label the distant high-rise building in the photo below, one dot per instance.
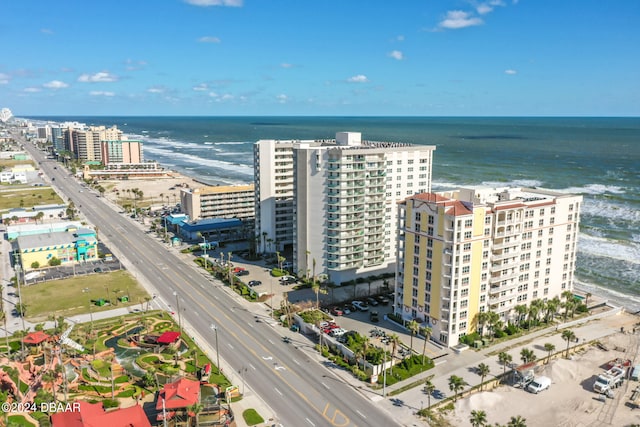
(332, 203)
(472, 251)
(121, 151)
(86, 143)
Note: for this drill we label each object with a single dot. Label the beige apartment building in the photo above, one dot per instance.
(121, 151)
(469, 250)
(224, 201)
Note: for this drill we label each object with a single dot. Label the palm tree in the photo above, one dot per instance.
(39, 216)
(194, 409)
(316, 288)
(517, 421)
(586, 300)
(365, 347)
(549, 348)
(456, 384)
(3, 317)
(493, 319)
(478, 418)
(413, 327)
(482, 370)
(482, 318)
(568, 335)
(395, 340)
(527, 355)
(426, 333)
(552, 308)
(429, 388)
(21, 309)
(505, 359)
(521, 310)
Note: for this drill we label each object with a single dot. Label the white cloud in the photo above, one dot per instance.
(396, 54)
(487, 7)
(31, 89)
(400, 38)
(101, 77)
(360, 78)
(46, 31)
(55, 84)
(132, 65)
(213, 94)
(510, 72)
(201, 87)
(209, 39)
(282, 98)
(4, 79)
(286, 65)
(457, 19)
(227, 96)
(205, 3)
(155, 90)
(101, 93)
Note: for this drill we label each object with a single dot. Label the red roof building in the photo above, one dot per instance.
(94, 415)
(180, 394)
(35, 338)
(168, 337)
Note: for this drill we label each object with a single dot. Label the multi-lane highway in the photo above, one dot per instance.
(298, 389)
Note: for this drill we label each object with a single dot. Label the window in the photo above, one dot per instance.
(467, 246)
(467, 235)
(468, 223)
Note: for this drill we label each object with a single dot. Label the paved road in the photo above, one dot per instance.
(300, 391)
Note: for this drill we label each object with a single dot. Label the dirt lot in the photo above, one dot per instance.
(570, 400)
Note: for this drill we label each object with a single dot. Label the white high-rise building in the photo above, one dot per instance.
(470, 251)
(333, 202)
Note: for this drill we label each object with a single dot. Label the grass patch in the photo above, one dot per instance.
(127, 393)
(66, 297)
(251, 417)
(19, 421)
(30, 196)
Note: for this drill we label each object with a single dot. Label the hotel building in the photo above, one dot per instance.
(224, 201)
(333, 202)
(121, 151)
(477, 250)
(86, 143)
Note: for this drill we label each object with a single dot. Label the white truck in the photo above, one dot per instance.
(610, 379)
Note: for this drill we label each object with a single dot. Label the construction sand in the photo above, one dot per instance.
(570, 401)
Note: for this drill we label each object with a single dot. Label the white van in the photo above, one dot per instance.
(539, 384)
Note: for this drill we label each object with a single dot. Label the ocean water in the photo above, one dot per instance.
(596, 157)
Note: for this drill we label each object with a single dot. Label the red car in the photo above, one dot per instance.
(337, 311)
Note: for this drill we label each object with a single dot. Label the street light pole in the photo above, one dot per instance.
(179, 313)
(215, 328)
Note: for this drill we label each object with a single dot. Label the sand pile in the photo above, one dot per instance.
(562, 371)
(485, 401)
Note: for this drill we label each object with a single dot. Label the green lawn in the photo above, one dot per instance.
(67, 298)
(19, 421)
(27, 197)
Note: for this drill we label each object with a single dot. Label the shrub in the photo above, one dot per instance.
(252, 417)
(35, 264)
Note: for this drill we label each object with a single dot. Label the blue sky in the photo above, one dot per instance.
(322, 57)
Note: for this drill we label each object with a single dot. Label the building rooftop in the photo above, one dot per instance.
(211, 224)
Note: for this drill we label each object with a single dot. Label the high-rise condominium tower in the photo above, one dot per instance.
(332, 203)
(472, 251)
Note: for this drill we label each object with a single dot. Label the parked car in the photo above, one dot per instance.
(352, 308)
(242, 273)
(336, 311)
(253, 283)
(347, 309)
(238, 269)
(372, 301)
(373, 316)
(360, 305)
(338, 332)
(382, 299)
(287, 280)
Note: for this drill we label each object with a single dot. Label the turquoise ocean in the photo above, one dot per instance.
(598, 158)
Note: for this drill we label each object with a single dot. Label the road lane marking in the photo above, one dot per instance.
(279, 392)
(271, 342)
(252, 367)
(229, 344)
(296, 362)
(325, 386)
(267, 358)
(361, 414)
(309, 421)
